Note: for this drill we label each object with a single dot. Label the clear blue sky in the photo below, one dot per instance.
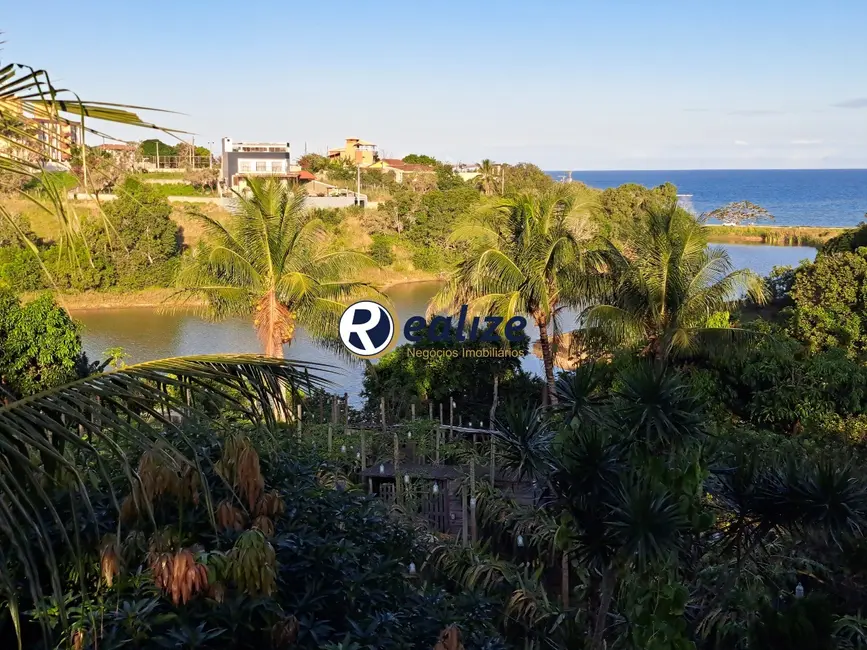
(567, 85)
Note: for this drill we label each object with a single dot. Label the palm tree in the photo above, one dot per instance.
(274, 265)
(667, 288)
(526, 257)
(488, 177)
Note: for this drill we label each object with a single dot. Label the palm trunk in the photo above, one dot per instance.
(547, 357)
(599, 622)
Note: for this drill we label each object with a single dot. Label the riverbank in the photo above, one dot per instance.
(153, 298)
(772, 235)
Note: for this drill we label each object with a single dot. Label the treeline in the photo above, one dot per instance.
(132, 244)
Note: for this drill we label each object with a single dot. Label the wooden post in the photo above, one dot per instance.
(439, 433)
(398, 481)
(334, 409)
(473, 490)
(370, 486)
(345, 409)
(464, 518)
(493, 439)
(299, 421)
(430, 410)
(382, 413)
(413, 411)
(330, 437)
(321, 409)
(451, 419)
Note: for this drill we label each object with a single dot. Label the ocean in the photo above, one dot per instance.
(808, 197)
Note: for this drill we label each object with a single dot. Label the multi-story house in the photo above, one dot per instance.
(242, 160)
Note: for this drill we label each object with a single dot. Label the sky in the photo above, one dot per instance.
(601, 85)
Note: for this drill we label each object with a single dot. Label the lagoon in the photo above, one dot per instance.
(146, 334)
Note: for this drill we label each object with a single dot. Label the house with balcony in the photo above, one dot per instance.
(243, 160)
(358, 152)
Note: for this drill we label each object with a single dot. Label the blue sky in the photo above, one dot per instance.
(567, 85)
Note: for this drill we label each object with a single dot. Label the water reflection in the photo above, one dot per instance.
(146, 334)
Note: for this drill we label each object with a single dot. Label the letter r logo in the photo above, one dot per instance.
(366, 328)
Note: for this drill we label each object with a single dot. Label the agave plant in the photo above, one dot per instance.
(68, 437)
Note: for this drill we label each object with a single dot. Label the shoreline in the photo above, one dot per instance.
(384, 280)
(813, 236)
(156, 298)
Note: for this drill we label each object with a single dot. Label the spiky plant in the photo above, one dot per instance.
(274, 265)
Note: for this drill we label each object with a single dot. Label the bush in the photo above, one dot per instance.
(428, 259)
(381, 250)
(317, 565)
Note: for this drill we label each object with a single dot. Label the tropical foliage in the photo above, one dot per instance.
(667, 287)
(273, 265)
(526, 256)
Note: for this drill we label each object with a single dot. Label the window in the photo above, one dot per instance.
(277, 167)
(261, 166)
(278, 149)
(245, 166)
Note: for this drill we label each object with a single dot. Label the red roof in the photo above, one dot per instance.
(397, 163)
(304, 175)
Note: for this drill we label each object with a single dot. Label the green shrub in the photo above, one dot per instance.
(428, 259)
(382, 250)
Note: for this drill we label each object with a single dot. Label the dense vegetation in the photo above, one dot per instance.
(696, 481)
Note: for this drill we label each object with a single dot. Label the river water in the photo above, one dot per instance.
(147, 334)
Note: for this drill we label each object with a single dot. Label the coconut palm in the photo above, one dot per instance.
(668, 291)
(526, 257)
(274, 265)
(488, 177)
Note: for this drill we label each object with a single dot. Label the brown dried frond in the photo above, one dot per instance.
(162, 568)
(264, 524)
(157, 475)
(109, 559)
(128, 510)
(180, 576)
(284, 632)
(240, 462)
(188, 485)
(78, 640)
(270, 505)
(229, 516)
(217, 591)
(450, 639)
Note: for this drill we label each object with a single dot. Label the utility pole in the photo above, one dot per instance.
(158, 155)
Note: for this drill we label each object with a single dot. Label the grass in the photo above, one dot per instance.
(773, 235)
(178, 189)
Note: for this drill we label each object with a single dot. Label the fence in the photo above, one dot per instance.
(176, 162)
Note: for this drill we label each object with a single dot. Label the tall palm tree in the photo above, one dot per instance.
(665, 285)
(488, 177)
(274, 264)
(526, 257)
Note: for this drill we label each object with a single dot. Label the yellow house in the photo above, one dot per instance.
(358, 152)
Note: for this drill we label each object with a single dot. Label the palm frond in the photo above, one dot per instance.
(67, 435)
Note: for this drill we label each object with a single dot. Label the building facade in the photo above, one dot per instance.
(243, 160)
(358, 152)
